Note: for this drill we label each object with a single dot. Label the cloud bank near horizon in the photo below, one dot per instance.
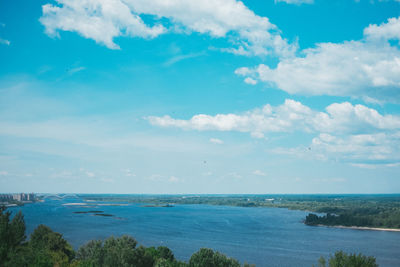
(343, 130)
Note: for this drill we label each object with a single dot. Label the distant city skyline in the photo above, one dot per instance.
(197, 97)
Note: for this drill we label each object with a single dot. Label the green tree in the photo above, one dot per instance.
(119, 251)
(165, 253)
(47, 244)
(12, 234)
(206, 257)
(91, 254)
(342, 259)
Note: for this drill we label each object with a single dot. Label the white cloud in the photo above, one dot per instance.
(364, 149)
(344, 132)
(296, 2)
(102, 21)
(178, 58)
(259, 173)
(251, 81)
(4, 42)
(3, 173)
(375, 166)
(366, 68)
(385, 31)
(75, 70)
(348, 118)
(97, 20)
(216, 141)
(290, 117)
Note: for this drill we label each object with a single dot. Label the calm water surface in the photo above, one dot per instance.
(263, 236)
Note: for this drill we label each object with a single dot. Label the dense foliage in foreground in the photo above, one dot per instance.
(351, 210)
(47, 248)
(341, 259)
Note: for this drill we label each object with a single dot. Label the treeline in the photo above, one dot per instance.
(47, 248)
(341, 259)
(356, 217)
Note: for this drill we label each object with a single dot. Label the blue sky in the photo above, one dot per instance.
(222, 96)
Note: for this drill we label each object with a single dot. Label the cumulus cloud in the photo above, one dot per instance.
(343, 131)
(385, 31)
(360, 150)
(291, 116)
(97, 20)
(102, 21)
(368, 68)
(251, 81)
(296, 2)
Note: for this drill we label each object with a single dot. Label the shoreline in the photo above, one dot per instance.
(360, 228)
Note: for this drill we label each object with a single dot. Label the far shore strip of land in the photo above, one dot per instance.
(361, 228)
(93, 204)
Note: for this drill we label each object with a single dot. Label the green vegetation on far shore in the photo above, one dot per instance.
(379, 211)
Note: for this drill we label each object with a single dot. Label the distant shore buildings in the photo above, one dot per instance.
(20, 197)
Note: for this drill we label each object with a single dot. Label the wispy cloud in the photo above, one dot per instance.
(296, 2)
(216, 141)
(259, 173)
(76, 69)
(175, 59)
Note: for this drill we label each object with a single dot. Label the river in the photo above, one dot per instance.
(261, 236)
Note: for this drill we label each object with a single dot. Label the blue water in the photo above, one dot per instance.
(262, 236)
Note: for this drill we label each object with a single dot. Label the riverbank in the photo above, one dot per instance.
(359, 228)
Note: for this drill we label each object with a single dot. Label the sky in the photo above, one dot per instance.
(200, 97)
